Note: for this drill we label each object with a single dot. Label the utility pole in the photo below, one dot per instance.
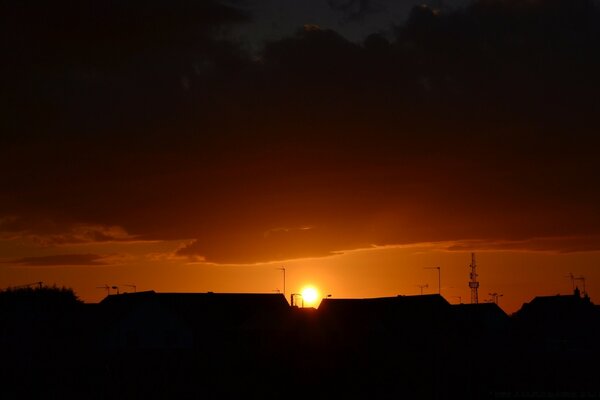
(496, 297)
(439, 270)
(473, 283)
(283, 269)
(422, 287)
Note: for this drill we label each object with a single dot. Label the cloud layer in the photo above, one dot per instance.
(60, 260)
(474, 124)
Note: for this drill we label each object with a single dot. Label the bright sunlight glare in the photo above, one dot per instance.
(310, 295)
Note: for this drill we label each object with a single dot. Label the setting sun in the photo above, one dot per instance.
(310, 295)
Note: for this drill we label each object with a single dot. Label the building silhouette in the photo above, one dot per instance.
(219, 345)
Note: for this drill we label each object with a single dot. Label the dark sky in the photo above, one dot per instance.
(172, 120)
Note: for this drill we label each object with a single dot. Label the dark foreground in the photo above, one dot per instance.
(203, 346)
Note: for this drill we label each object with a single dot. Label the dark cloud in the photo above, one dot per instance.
(354, 10)
(60, 260)
(475, 124)
(102, 34)
(50, 233)
(96, 66)
(545, 244)
(271, 245)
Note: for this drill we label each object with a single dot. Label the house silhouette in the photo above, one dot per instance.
(190, 320)
(232, 345)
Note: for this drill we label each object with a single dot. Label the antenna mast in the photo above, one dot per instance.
(106, 287)
(283, 269)
(572, 281)
(582, 279)
(131, 286)
(473, 283)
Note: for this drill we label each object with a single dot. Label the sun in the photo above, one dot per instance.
(310, 295)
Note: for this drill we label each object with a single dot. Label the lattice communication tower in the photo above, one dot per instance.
(473, 283)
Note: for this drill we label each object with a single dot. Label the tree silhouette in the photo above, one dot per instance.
(48, 295)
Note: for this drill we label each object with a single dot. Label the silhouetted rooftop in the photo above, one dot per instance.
(431, 300)
(389, 313)
(400, 298)
(480, 319)
(241, 299)
(220, 309)
(480, 308)
(558, 304)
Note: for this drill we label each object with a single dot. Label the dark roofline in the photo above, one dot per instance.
(400, 296)
(468, 307)
(396, 299)
(190, 295)
(216, 294)
(111, 297)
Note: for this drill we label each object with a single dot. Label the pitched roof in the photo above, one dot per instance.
(243, 300)
(480, 317)
(480, 309)
(222, 309)
(560, 311)
(394, 313)
(431, 301)
(555, 304)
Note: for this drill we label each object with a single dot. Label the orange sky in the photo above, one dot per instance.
(165, 152)
(388, 271)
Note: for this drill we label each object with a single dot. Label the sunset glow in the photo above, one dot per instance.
(282, 198)
(355, 154)
(310, 295)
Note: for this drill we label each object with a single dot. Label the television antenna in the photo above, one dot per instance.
(131, 286)
(495, 297)
(283, 269)
(439, 270)
(105, 287)
(582, 279)
(572, 277)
